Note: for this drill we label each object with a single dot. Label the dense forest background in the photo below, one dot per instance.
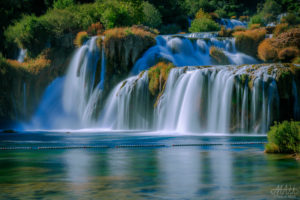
(32, 22)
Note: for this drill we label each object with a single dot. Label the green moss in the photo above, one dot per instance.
(218, 56)
(284, 138)
(158, 75)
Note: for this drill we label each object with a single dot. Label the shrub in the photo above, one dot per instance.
(254, 26)
(126, 31)
(225, 32)
(81, 37)
(218, 56)
(239, 28)
(284, 138)
(61, 4)
(152, 16)
(288, 38)
(290, 19)
(289, 53)
(201, 14)
(271, 9)
(158, 75)
(221, 13)
(280, 28)
(248, 41)
(204, 25)
(31, 65)
(95, 29)
(119, 13)
(29, 33)
(266, 51)
(257, 19)
(296, 60)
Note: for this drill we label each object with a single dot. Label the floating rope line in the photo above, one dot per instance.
(125, 146)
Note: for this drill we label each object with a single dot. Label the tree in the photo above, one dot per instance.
(152, 16)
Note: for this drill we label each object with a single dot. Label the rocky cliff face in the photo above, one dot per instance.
(22, 84)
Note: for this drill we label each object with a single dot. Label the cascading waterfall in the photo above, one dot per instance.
(231, 23)
(217, 99)
(197, 98)
(70, 102)
(189, 50)
(128, 106)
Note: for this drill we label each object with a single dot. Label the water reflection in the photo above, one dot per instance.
(179, 171)
(212, 172)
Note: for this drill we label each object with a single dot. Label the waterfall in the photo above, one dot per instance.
(128, 106)
(196, 97)
(22, 54)
(70, 101)
(208, 100)
(231, 23)
(189, 50)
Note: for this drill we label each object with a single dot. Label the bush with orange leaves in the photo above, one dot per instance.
(284, 47)
(32, 65)
(289, 53)
(95, 29)
(239, 28)
(288, 38)
(81, 37)
(266, 51)
(248, 41)
(280, 28)
(254, 26)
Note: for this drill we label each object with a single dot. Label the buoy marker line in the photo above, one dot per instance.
(124, 146)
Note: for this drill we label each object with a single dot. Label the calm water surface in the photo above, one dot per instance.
(225, 171)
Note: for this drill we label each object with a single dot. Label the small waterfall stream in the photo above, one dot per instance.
(22, 54)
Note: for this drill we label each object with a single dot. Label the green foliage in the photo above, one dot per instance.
(158, 75)
(291, 19)
(152, 16)
(29, 33)
(271, 9)
(204, 25)
(284, 138)
(119, 13)
(222, 13)
(193, 6)
(61, 4)
(256, 19)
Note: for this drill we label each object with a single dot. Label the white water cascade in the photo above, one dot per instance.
(22, 54)
(216, 99)
(190, 50)
(71, 101)
(231, 23)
